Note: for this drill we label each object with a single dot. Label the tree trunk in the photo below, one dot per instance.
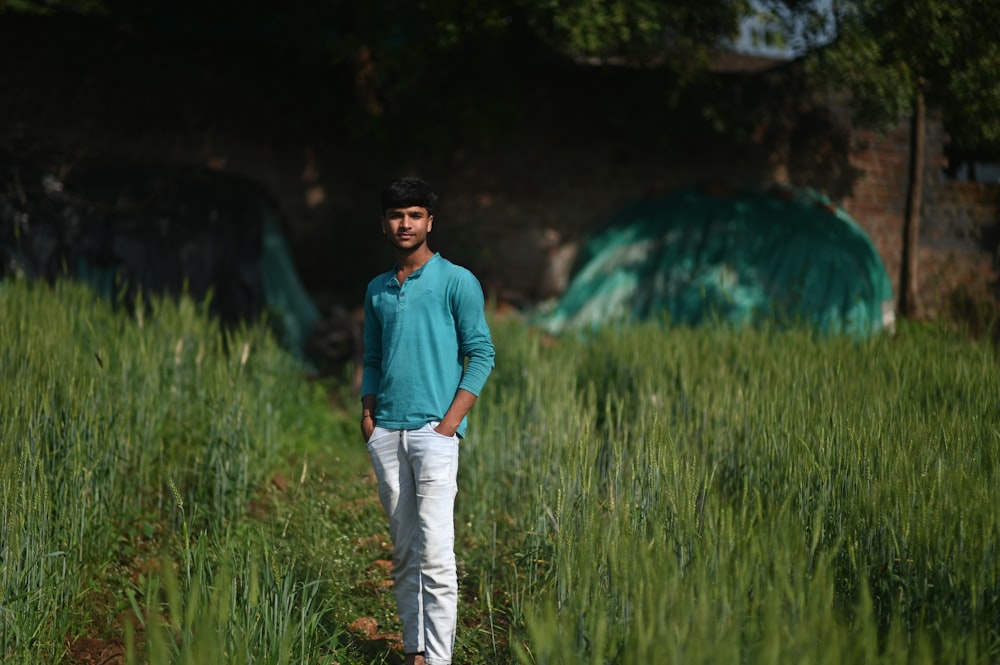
(909, 301)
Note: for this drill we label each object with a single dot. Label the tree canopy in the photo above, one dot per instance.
(887, 52)
(883, 51)
(640, 29)
(676, 33)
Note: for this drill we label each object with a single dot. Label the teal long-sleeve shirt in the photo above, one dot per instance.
(423, 341)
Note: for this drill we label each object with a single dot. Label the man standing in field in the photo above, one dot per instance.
(427, 354)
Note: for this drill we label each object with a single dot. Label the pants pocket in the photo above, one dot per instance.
(431, 428)
(379, 434)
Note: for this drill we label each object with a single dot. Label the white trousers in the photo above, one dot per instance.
(417, 472)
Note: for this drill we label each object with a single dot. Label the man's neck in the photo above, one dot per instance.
(409, 262)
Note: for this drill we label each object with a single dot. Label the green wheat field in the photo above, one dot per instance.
(177, 493)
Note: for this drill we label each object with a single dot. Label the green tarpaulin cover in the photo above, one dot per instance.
(743, 258)
(153, 229)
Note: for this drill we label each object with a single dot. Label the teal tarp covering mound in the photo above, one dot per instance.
(288, 302)
(744, 258)
(152, 229)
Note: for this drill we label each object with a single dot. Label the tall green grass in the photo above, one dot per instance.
(649, 494)
(124, 440)
(708, 495)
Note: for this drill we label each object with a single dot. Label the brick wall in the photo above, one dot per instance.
(532, 204)
(958, 220)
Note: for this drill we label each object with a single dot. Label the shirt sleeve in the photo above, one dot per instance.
(371, 376)
(475, 342)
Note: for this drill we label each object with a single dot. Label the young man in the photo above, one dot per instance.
(427, 354)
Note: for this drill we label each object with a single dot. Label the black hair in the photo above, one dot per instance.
(408, 191)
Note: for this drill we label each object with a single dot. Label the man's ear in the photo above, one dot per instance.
(430, 222)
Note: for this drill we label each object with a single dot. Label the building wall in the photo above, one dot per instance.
(530, 206)
(958, 220)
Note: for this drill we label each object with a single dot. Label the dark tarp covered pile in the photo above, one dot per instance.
(743, 257)
(127, 228)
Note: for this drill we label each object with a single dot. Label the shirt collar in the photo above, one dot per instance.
(391, 280)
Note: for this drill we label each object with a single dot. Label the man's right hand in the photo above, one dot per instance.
(367, 427)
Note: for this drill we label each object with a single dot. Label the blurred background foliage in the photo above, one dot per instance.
(884, 52)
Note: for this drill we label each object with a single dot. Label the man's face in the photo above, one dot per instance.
(407, 228)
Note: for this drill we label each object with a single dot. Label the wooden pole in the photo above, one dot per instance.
(909, 299)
